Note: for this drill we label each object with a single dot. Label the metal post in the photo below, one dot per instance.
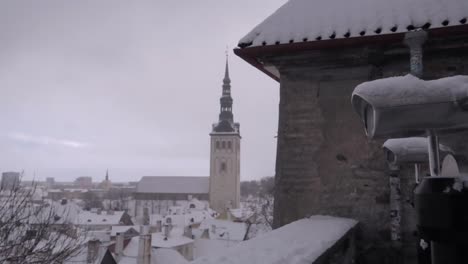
(415, 40)
(417, 171)
(433, 151)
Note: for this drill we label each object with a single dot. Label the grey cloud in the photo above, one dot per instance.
(128, 84)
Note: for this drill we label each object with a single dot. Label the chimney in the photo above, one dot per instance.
(144, 246)
(167, 230)
(146, 219)
(228, 215)
(159, 226)
(93, 250)
(119, 245)
(188, 232)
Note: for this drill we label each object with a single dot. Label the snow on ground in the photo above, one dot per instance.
(308, 19)
(300, 242)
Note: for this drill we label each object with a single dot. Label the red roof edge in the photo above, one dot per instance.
(251, 54)
(252, 60)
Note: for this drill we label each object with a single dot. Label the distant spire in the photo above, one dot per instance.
(226, 118)
(226, 79)
(107, 174)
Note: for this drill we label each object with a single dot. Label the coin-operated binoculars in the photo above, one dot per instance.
(405, 107)
(408, 151)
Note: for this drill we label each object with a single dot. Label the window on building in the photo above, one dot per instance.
(224, 144)
(223, 166)
(217, 144)
(229, 144)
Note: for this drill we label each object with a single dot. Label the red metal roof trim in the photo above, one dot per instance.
(251, 54)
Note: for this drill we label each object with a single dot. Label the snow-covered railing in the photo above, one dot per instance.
(317, 239)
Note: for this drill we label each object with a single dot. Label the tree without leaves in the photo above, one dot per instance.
(33, 232)
(92, 201)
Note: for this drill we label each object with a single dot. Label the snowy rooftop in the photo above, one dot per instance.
(224, 230)
(105, 218)
(158, 256)
(300, 242)
(123, 229)
(313, 20)
(189, 185)
(175, 239)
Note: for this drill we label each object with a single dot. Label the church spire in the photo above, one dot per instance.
(107, 174)
(226, 118)
(227, 80)
(226, 99)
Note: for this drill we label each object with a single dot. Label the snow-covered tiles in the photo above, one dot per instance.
(312, 20)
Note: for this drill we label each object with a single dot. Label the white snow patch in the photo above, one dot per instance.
(175, 239)
(167, 256)
(299, 242)
(411, 145)
(409, 90)
(457, 185)
(224, 229)
(423, 244)
(299, 19)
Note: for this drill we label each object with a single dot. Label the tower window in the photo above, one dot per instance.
(229, 144)
(224, 144)
(223, 166)
(217, 144)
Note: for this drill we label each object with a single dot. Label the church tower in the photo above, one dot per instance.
(225, 154)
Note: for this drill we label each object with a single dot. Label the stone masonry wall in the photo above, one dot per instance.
(325, 164)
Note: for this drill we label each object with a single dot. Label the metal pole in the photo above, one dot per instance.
(415, 40)
(433, 151)
(417, 169)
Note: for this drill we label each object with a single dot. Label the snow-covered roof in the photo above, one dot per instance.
(312, 20)
(176, 238)
(168, 256)
(123, 229)
(189, 185)
(302, 241)
(210, 247)
(224, 229)
(187, 218)
(158, 256)
(241, 214)
(63, 213)
(105, 218)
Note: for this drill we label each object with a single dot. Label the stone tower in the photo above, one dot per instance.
(225, 154)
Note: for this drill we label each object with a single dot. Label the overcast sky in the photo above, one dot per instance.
(131, 85)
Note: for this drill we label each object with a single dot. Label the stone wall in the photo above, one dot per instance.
(325, 164)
